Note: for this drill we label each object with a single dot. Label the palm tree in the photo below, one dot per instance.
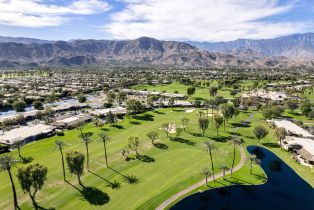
(86, 140)
(236, 142)
(206, 173)
(224, 169)
(218, 122)
(6, 163)
(252, 159)
(32, 179)
(184, 122)
(203, 123)
(18, 145)
(209, 147)
(211, 103)
(60, 145)
(75, 161)
(104, 139)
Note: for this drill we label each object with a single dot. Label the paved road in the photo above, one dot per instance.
(196, 185)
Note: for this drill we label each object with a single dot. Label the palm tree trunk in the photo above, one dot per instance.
(212, 118)
(106, 154)
(206, 179)
(212, 163)
(19, 151)
(63, 168)
(234, 152)
(33, 200)
(87, 156)
(79, 180)
(16, 206)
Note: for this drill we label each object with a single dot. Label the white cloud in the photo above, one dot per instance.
(204, 20)
(37, 13)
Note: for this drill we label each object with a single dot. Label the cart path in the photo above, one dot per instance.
(196, 185)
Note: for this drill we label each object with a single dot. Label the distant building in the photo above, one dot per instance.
(72, 122)
(26, 134)
(266, 95)
(299, 141)
(103, 112)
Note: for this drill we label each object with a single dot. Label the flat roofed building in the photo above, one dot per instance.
(303, 148)
(292, 128)
(71, 122)
(26, 133)
(116, 110)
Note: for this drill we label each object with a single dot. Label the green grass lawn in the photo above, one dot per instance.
(270, 142)
(200, 93)
(241, 176)
(173, 169)
(298, 116)
(170, 170)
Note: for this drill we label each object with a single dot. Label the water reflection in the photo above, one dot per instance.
(284, 190)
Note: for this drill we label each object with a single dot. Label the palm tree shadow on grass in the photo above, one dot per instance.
(117, 126)
(184, 141)
(26, 160)
(145, 158)
(135, 123)
(195, 134)
(104, 129)
(158, 112)
(92, 195)
(115, 185)
(144, 117)
(220, 138)
(271, 145)
(131, 179)
(241, 125)
(160, 145)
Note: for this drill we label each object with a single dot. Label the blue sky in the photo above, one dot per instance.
(198, 20)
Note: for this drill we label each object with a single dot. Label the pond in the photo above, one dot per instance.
(284, 190)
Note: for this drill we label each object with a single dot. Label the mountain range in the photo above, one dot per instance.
(283, 52)
(298, 46)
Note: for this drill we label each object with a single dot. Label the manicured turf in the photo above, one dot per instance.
(270, 142)
(242, 177)
(200, 93)
(173, 169)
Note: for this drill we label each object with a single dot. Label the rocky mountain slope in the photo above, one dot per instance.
(296, 47)
(144, 51)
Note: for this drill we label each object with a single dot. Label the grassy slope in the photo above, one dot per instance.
(174, 168)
